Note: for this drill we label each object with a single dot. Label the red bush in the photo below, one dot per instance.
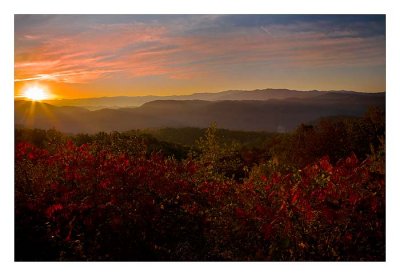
(118, 206)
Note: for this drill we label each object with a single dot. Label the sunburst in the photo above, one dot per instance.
(36, 93)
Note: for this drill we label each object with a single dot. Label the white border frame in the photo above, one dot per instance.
(7, 12)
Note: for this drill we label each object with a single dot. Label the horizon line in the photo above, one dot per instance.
(216, 92)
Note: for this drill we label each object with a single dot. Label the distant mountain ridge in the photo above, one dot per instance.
(274, 115)
(230, 95)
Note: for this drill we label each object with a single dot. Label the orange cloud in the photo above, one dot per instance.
(182, 52)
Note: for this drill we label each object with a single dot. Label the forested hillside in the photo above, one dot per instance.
(317, 193)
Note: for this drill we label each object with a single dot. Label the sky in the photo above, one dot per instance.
(81, 56)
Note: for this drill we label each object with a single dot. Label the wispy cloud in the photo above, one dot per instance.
(185, 47)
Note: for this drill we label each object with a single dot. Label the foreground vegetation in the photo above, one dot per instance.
(315, 194)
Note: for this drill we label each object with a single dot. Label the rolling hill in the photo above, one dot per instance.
(274, 115)
(231, 95)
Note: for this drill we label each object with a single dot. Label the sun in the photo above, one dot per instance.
(35, 94)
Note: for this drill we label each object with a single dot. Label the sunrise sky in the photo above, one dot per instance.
(80, 56)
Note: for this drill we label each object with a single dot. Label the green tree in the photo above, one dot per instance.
(216, 158)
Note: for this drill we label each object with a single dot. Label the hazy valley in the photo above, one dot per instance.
(261, 110)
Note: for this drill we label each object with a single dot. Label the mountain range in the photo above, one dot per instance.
(230, 95)
(259, 110)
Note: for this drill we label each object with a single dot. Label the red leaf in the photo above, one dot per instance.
(240, 213)
(260, 210)
(267, 231)
(53, 208)
(325, 164)
(353, 198)
(295, 197)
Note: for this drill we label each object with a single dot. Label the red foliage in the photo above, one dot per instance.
(81, 189)
(52, 209)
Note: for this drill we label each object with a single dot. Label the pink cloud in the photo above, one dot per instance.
(137, 50)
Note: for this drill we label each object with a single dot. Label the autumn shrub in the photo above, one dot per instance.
(103, 202)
